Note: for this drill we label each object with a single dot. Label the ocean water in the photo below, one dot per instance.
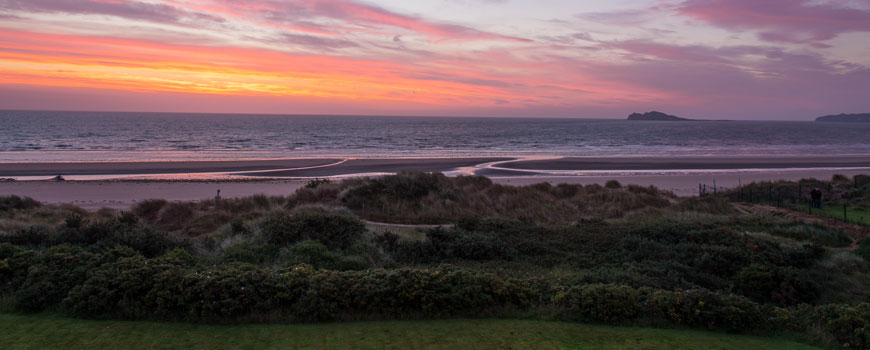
(32, 136)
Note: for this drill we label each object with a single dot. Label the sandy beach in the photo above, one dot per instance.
(261, 177)
(174, 167)
(688, 163)
(488, 166)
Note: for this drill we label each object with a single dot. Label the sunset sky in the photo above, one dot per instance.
(736, 59)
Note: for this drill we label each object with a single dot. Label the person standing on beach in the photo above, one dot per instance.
(816, 195)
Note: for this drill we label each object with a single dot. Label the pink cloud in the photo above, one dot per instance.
(136, 10)
(353, 16)
(790, 21)
(363, 13)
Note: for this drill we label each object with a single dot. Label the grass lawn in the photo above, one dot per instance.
(836, 212)
(43, 331)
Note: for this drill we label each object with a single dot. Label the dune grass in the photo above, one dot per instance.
(44, 331)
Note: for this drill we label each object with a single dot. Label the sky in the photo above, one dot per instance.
(716, 59)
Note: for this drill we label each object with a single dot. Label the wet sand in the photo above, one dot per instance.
(283, 177)
(270, 168)
(687, 163)
(488, 166)
(123, 194)
(144, 168)
(368, 166)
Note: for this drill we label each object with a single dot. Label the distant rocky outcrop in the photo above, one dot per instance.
(657, 116)
(846, 118)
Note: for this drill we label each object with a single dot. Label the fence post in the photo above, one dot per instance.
(844, 213)
(714, 186)
(700, 193)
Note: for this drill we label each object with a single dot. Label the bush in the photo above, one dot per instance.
(31, 236)
(317, 255)
(13, 202)
(599, 303)
(863, 249)
(334, 229)
(451, 244)
(313, 183)
(49, 279)
(612, 184)
(249, 252)
(148, 209)
(780, 285)
(702, 308)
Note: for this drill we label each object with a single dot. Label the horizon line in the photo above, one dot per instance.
(383, 115)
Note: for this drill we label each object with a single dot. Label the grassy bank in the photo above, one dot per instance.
(47, 331)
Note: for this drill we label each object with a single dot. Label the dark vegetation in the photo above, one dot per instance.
(838, 192)
(611, 254)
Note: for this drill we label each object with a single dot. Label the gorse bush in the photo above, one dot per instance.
(780, 285)
(336, 230)
(317, 255)
(627, 255)
(119, 282)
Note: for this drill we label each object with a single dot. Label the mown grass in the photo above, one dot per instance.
(43, 331)
(835, 211)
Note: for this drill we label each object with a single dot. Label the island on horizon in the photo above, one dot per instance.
(845, 118)
(656, 116)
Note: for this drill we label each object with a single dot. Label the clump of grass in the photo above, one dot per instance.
(13, 202)
(418, 197)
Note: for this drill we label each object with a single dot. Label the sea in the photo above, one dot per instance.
(52, 136)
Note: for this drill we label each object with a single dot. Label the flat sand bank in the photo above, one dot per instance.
(392, 165)
(687, 163)
(123, 194)
(488, 166)
(309, 167)
(283, 177)
(144, 168)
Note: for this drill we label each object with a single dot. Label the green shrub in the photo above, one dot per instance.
(702, 308)
(848, 325)
(30, 236)
(55, 272)
(451, 244)
(313, 183)
(334, 229)
(148, 209)
(780, 285)
(612, 184)
(599, 303)
(863, 249)
(13, 202)
(316, 254)
(249, 252)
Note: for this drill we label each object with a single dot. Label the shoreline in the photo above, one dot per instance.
(488, 166)
(123, 194)
(283, 177)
